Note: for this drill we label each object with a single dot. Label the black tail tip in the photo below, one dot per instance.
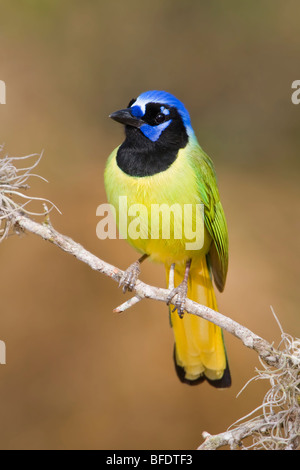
(223, 382)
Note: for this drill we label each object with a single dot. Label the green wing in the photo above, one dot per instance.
(214, 218)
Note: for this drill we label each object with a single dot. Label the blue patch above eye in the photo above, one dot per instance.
(136, 111)
(164, 111)
(154, 132)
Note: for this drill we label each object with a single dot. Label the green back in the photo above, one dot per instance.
(213, 213)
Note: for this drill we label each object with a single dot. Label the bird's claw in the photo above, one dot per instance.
(130, 276)
(181, 294)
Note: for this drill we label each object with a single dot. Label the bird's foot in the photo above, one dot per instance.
(130, 276)
(181, 294)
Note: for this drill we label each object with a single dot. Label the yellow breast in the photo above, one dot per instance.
(160, 215)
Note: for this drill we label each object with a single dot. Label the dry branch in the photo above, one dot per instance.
(145, 291)
(275, 428)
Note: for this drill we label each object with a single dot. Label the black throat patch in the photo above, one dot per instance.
(139, 156)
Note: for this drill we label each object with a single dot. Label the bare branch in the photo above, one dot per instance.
(13, 180)
(145, 291)
(278, 424)
(274, 425)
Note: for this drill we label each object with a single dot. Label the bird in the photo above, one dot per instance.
(161, 163)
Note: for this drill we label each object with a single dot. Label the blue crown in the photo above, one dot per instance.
(155, 96)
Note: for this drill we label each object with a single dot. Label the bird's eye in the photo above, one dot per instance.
(160, 118)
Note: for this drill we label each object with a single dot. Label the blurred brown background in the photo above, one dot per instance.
(77, 375)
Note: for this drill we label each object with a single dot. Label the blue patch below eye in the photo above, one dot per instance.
(154, 132)
(136, 111)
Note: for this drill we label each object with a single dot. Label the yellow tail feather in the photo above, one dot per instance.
(199, 346)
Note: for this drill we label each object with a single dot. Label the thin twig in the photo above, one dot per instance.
(129, 303)
(145, 291)
(278, 424)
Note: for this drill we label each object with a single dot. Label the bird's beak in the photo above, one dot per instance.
(124, 116)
